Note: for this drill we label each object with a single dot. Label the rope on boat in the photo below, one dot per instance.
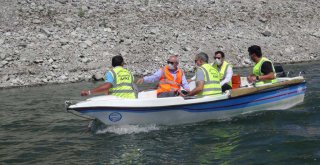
(68, 103)
(87, 118)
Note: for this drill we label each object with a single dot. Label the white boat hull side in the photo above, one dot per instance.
(170, 111)
(173, 117)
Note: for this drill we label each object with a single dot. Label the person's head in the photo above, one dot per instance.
(218, 57)
(117, 61)
(255, 52)
(173, 62)
(201, 58)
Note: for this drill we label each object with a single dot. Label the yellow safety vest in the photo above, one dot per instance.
(257, 71)
(211, 81)
(223, 70)
(123, 83)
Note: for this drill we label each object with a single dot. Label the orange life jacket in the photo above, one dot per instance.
(167, 82)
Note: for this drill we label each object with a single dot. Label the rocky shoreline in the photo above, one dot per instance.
(60, 41)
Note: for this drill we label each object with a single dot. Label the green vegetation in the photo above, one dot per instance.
(81, 13)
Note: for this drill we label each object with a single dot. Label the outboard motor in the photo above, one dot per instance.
(279, 70)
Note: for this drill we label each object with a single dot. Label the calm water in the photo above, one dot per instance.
(35, 129)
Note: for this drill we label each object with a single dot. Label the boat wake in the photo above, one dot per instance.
(127, 129)
(99, 128)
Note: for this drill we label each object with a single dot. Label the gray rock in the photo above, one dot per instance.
(41, 36)
(4, 62)
(68, 19)
(266, 33)
(97, 77)
(31, 72)
(45, 31)
(36, 21)
(85, 60)
(1, 41)
(50, 61)
(154, 31)
(49, 78)
(38, 61)
(5, 78)
(247, 61)
(107, 30)
(9, 59)
(263, 19)
(88, 42)
(186, 48)
(2, 56)
(62, 1)
(316, 34)
(64, 47)
(64, 41)
(40, 8)
(63, 77)
(123, 53)
(54, 67)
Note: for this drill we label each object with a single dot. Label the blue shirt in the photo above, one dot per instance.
(109, 78)
(157, 75)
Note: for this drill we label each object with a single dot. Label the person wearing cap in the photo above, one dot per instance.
(263, 70)
(170, 78)
(225, 70)
(119, 82)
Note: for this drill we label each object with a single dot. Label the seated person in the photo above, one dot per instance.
(170, 78)
(207, 78)
(263, 70)
(119, 82)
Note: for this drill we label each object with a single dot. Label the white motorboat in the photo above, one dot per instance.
(148, 109)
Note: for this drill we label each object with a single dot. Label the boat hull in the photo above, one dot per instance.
(271, 99)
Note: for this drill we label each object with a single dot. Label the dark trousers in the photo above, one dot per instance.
(167, 94)
(226, 87)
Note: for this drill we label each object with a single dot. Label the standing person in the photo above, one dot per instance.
(119, 82)
(170, 78)
(225, 70)
(207, 78)
(263, 70)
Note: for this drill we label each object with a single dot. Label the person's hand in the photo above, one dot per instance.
(189, 80)
(183, 93)
(251, 78)
(85, 92)
(140, 81)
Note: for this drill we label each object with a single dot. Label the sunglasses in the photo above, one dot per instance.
(169, 62)
(217, 57)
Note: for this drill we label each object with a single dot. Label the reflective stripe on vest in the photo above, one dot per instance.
(211, 81)
(123, 86)
(223, 70)
(257, 71)
(167, 82)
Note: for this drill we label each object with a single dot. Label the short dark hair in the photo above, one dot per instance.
(255, 49)
(117, 61)
(219, 52)
(203, 56)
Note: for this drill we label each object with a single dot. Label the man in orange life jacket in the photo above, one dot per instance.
(170, 78)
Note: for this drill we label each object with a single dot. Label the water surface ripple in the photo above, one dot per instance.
(35, 129)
